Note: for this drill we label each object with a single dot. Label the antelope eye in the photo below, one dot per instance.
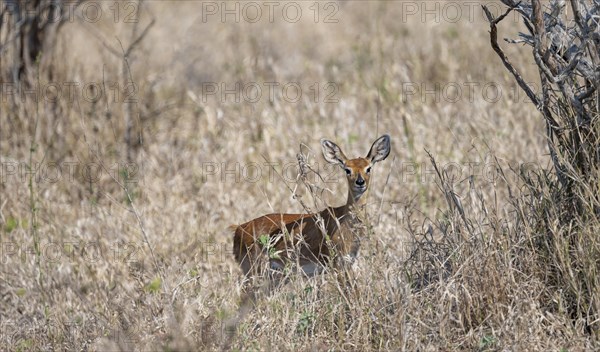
(348, 171)
(369, 170)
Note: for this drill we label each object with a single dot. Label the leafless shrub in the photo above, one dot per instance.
(566, 53)
(27, 28)
(564, 209)
(549, 243)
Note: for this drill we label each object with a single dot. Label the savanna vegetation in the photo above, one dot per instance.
(134, 133)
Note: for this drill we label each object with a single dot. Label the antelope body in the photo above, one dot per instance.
(312, 240)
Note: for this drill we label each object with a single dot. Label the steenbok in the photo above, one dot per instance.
(312, 240)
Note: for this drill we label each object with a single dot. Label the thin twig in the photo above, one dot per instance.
(494, 42)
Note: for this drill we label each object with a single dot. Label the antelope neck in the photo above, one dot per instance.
(356, 205)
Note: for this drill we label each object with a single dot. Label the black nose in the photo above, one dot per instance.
(360, 181)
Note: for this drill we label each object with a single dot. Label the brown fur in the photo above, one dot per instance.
(303, 237)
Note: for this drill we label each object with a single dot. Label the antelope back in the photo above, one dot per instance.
(307, 235)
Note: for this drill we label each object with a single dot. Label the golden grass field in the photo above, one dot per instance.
(103, 253)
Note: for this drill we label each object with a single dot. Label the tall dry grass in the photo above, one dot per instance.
(137, 257)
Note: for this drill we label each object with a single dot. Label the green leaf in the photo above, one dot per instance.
(263, 240)
(11, 224)
(487, 342)
(154, 286)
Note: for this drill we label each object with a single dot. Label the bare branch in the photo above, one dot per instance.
(140, 37)
(494, 42)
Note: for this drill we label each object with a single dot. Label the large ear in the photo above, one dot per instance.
(380, 149)
(332, 153)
